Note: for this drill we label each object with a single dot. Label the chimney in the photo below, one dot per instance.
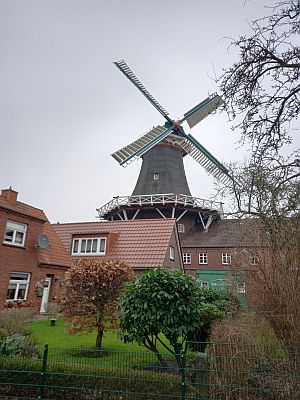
(9, 194)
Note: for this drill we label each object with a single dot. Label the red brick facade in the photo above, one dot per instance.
(29, 258)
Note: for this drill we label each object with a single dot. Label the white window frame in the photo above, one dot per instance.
(19, 282)
(155, 176)
(254, 260)
(241, 287)
(226, 258)
(83, 243)
(186, 258)
(17, 228)
(203, 258)
(204, 285)
(172, 253)
(181, 228)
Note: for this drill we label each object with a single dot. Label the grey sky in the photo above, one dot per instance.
(64, 107)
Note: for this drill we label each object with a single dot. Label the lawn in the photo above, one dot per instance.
(75, 349)
(56, 336)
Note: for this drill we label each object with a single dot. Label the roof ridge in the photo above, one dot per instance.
(119, 221)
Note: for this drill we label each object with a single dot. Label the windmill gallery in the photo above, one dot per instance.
(160, 223)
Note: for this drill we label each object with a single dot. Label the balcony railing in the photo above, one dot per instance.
(159, 199)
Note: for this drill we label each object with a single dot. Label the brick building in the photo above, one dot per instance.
(222, 254)
(32, 259)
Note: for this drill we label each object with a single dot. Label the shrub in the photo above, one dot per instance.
(12, 321)
(19, 345)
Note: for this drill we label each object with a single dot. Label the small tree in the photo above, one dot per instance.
(161, 302)
(90, 294)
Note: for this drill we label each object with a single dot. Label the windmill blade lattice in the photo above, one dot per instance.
(188, 143)
(199, 153)
(202, 110)
(123, 67)
(140, 146)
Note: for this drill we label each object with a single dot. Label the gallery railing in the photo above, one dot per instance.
(159, 199)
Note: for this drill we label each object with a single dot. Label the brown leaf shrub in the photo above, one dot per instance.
(90, 294)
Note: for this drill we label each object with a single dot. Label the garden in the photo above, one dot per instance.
(171, 340)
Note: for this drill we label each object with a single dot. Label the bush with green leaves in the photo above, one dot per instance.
(170, 304)
(214, 305)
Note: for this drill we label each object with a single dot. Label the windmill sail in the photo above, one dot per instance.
(188, 143)
(140, 146)
(123, 67)
(202, 110)
(206, 159)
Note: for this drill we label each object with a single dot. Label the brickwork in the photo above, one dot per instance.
(27, 258)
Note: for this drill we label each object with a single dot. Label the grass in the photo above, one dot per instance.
(77, 348)
(56, 336)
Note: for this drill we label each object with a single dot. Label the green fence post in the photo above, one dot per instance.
(43, 372)
(183, 375)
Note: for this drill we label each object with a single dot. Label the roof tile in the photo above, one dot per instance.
(141, 243)
(22, 208)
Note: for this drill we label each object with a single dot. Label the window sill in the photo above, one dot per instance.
(12, 301)
(87, 255)
(15, 246)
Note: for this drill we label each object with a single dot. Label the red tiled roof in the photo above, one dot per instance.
(140, 243)
(225, 233)
(55, 254)
(22, 208)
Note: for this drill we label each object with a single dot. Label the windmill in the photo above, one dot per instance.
(171, 133)
(162, 182)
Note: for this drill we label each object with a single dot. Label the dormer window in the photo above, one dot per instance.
(88, 247)
(15, 233)
(155, 177)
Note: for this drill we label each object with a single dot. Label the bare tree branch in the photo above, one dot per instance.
(263, 85)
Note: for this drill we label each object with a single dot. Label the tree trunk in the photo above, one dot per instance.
(99, 338)
(159, 356)
(161, 360)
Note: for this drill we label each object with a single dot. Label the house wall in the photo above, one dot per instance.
(214, 258)
(26, 259)
(177, 262)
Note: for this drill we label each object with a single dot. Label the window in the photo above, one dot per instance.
(226, 258)
(181, 228)
(18, 286)
(15, 233)
(172, 253)
(254, 260)
(204, 284)
(186, 258)
(89, 246)
(241, 288)
(203, 258)
(156, 177)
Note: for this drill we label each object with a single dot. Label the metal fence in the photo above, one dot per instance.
(211, 371)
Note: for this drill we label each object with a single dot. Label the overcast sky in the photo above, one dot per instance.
(64, 107)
